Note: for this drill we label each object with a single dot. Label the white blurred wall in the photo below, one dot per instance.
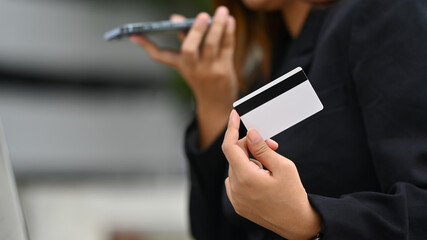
(115, 131)
(91, 160)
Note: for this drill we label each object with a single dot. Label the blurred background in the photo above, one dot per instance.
(95, 129)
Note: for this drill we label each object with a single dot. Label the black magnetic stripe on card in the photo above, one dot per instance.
(270, 93)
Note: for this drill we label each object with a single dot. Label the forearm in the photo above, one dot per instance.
(211, 121)
(208, 166)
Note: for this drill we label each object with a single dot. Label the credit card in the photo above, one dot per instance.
(279, 104)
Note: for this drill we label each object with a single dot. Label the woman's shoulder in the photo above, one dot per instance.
(380, 18)
(374, 10)
(379, 5)
(374, 34)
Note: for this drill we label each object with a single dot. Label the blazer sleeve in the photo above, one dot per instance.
(388, 58)
(207, 170)
(210, 209)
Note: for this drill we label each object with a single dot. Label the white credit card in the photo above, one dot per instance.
(279, 104)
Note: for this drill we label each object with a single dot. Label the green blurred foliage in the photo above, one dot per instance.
(188, 8)
(204, 5)
(180, 87)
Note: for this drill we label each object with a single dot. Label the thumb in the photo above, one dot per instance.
(261, 151)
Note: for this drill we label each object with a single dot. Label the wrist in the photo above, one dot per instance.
(211, 123)
(312, 227)
(306, 226)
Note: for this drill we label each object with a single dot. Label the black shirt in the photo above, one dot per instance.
(363, 158)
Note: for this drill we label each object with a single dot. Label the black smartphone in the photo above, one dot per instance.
(127, 30)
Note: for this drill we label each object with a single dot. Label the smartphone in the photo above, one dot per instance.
(129, 29)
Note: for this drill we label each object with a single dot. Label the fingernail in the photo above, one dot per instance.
(201, 19)
(253, 136)
(232, 113)
(221, 11)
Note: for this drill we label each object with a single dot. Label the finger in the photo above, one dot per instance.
(231, 136)
(215, 34)
(262, 152)
(179, 18)
(272, 144)
(161, 55)
(191, 44)
(235, 155)
(243, 145)
(257, 163)
(228, 44)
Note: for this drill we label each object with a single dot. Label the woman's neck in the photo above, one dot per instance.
(295, 13)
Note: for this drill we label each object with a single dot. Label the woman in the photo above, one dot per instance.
(359, 167)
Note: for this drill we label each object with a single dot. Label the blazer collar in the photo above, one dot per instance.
(299, 51)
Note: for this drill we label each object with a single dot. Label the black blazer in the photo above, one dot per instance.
(363, 159)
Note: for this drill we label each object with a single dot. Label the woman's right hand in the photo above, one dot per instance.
(206, 63)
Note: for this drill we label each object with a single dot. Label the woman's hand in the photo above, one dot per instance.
(206, 63)
(273, 198)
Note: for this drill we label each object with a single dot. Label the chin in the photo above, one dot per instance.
(253, 4)
(264, 5)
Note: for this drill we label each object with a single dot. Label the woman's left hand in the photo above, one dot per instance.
(273, 198)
